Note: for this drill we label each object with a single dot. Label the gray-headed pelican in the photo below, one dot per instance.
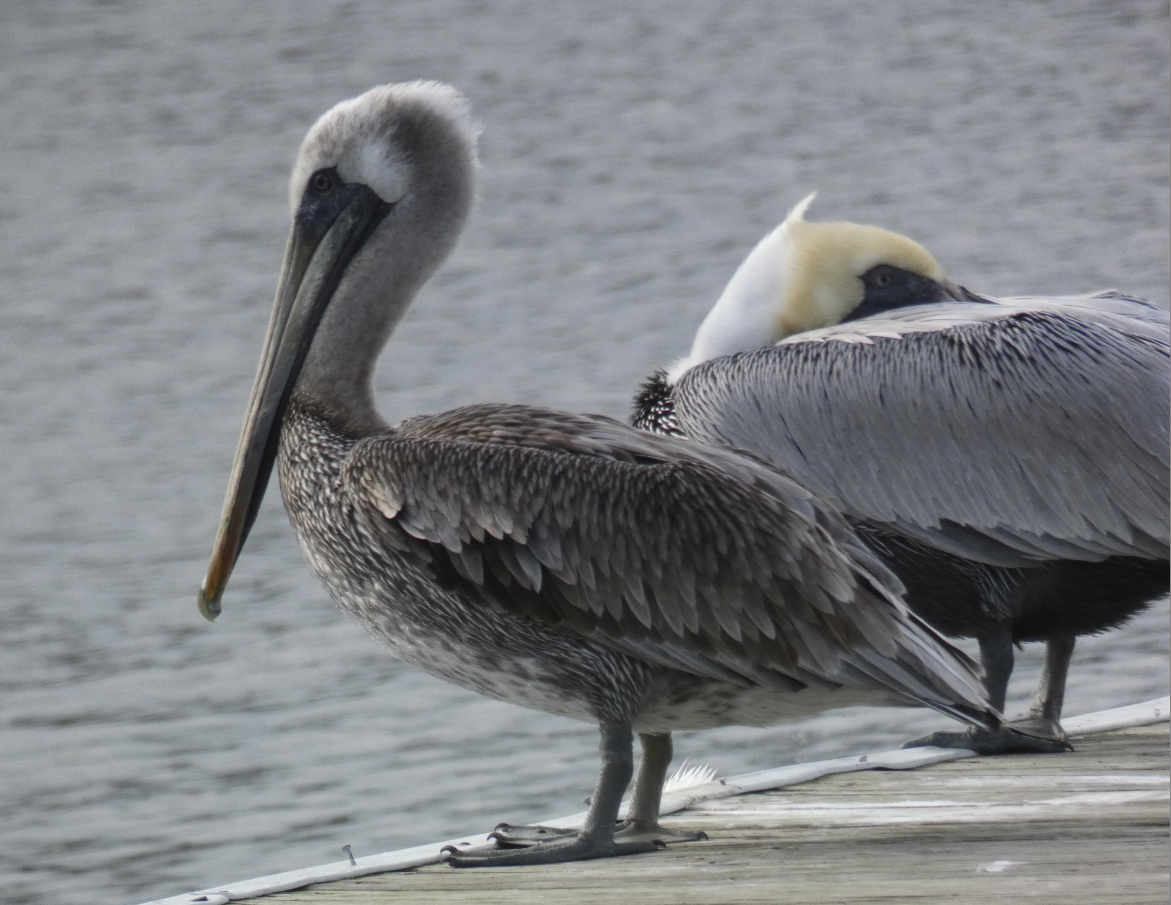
(566, 563)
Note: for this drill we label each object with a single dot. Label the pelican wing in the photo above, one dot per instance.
(1005, 431)
(696, 559)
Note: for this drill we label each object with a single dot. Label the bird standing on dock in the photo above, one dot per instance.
(566, 563)
(1007, 458)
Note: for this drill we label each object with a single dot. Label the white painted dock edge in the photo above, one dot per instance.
(1146, 713)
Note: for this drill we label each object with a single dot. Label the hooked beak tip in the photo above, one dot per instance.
(209, 606)
(954, 290)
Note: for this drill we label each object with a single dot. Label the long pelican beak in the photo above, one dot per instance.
(323, 241)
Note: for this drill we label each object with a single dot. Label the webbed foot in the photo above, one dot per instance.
(512, 835)
(1039, 727)
(558, 852)
(640, 831)
(507, 835)
(1004, 740)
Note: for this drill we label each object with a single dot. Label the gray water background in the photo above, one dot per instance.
(632, 155)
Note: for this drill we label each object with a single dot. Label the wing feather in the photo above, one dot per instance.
(1008, 432)
(690, 557)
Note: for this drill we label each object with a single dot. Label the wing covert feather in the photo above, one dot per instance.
(1041, 433)
(689, 557)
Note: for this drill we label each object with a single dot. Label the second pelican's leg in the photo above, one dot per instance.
(596, 837)
(642, 823)
(996, 656)
(1044, 717)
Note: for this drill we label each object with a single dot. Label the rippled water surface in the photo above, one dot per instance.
(632, 155)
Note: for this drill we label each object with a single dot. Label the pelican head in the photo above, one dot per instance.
(803, 276)
(379, 193)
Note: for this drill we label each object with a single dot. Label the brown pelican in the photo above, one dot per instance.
(1007, 458)
(566, 563)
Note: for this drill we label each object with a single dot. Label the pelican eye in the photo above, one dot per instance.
(321, 181)
(887, 287)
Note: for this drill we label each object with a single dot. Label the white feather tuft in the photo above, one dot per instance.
(689, 777)
(799, 209)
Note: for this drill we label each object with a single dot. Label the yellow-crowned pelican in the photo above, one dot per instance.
(1008, 458)
(562, 562)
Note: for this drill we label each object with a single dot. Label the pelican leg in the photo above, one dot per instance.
(642, 824)
(996, 656)
(1044, 718)
(596, 837)
(997, 659)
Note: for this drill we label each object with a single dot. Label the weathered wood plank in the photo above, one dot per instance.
(1086, 827)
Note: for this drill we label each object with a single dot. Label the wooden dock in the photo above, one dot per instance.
(1090, 826)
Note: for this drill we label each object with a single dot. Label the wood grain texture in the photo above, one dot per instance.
(1086, 827)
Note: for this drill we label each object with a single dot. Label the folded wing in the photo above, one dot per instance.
(692, 558)
(1004, 431)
